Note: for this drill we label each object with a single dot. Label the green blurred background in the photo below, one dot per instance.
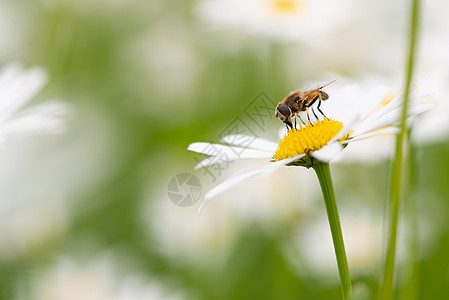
(86, 214)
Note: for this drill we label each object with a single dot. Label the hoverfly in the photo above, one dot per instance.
(297, 102)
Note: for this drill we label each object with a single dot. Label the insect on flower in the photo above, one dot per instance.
(378, 114)
(297, 102)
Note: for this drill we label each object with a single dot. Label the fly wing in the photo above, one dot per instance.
(319, 85)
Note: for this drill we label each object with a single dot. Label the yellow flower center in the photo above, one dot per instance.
(285, 6)
(307, 138)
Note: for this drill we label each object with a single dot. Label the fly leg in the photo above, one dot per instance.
(314, 114)
(288, 123)
(309, 105)
(301, 120)
(308, 117)
(318, 107)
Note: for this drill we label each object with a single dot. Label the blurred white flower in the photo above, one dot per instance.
(98, 278)
(24, 231)
(177, 231)
(434, 126)
(170, 63)
(432, 63)
(363, 228)
(181, 235)
(363, 243)
(323, 140)
(17, 88)
(53, 169)
(279, 19)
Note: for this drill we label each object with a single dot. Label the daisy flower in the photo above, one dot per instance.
(377, 112)
(17, 88)
(279, 19)
(314, 145)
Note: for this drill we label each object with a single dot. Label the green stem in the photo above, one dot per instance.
(323, 173)
(386, 291)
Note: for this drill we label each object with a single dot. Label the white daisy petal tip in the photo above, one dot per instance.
(197, 147)
(204, 163)
(202, 206)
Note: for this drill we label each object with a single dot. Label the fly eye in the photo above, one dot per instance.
(284, 110)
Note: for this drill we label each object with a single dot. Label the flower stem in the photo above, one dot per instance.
(323, 173)
(386, 290)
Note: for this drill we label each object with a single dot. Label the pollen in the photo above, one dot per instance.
(307, 138)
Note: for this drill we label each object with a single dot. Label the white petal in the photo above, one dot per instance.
(394, 108)
(221, 153)
(41, 119)
(206, 162)
(17, 87)
(328, 152)
(202, 147)
(381, 109)
(230, 182)
(385, 130)
(256, 143)
(227, 158)
(282, 132)
(350, 100)
(391, 118)
(218, 149)
(346, 129)
(368, 151)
